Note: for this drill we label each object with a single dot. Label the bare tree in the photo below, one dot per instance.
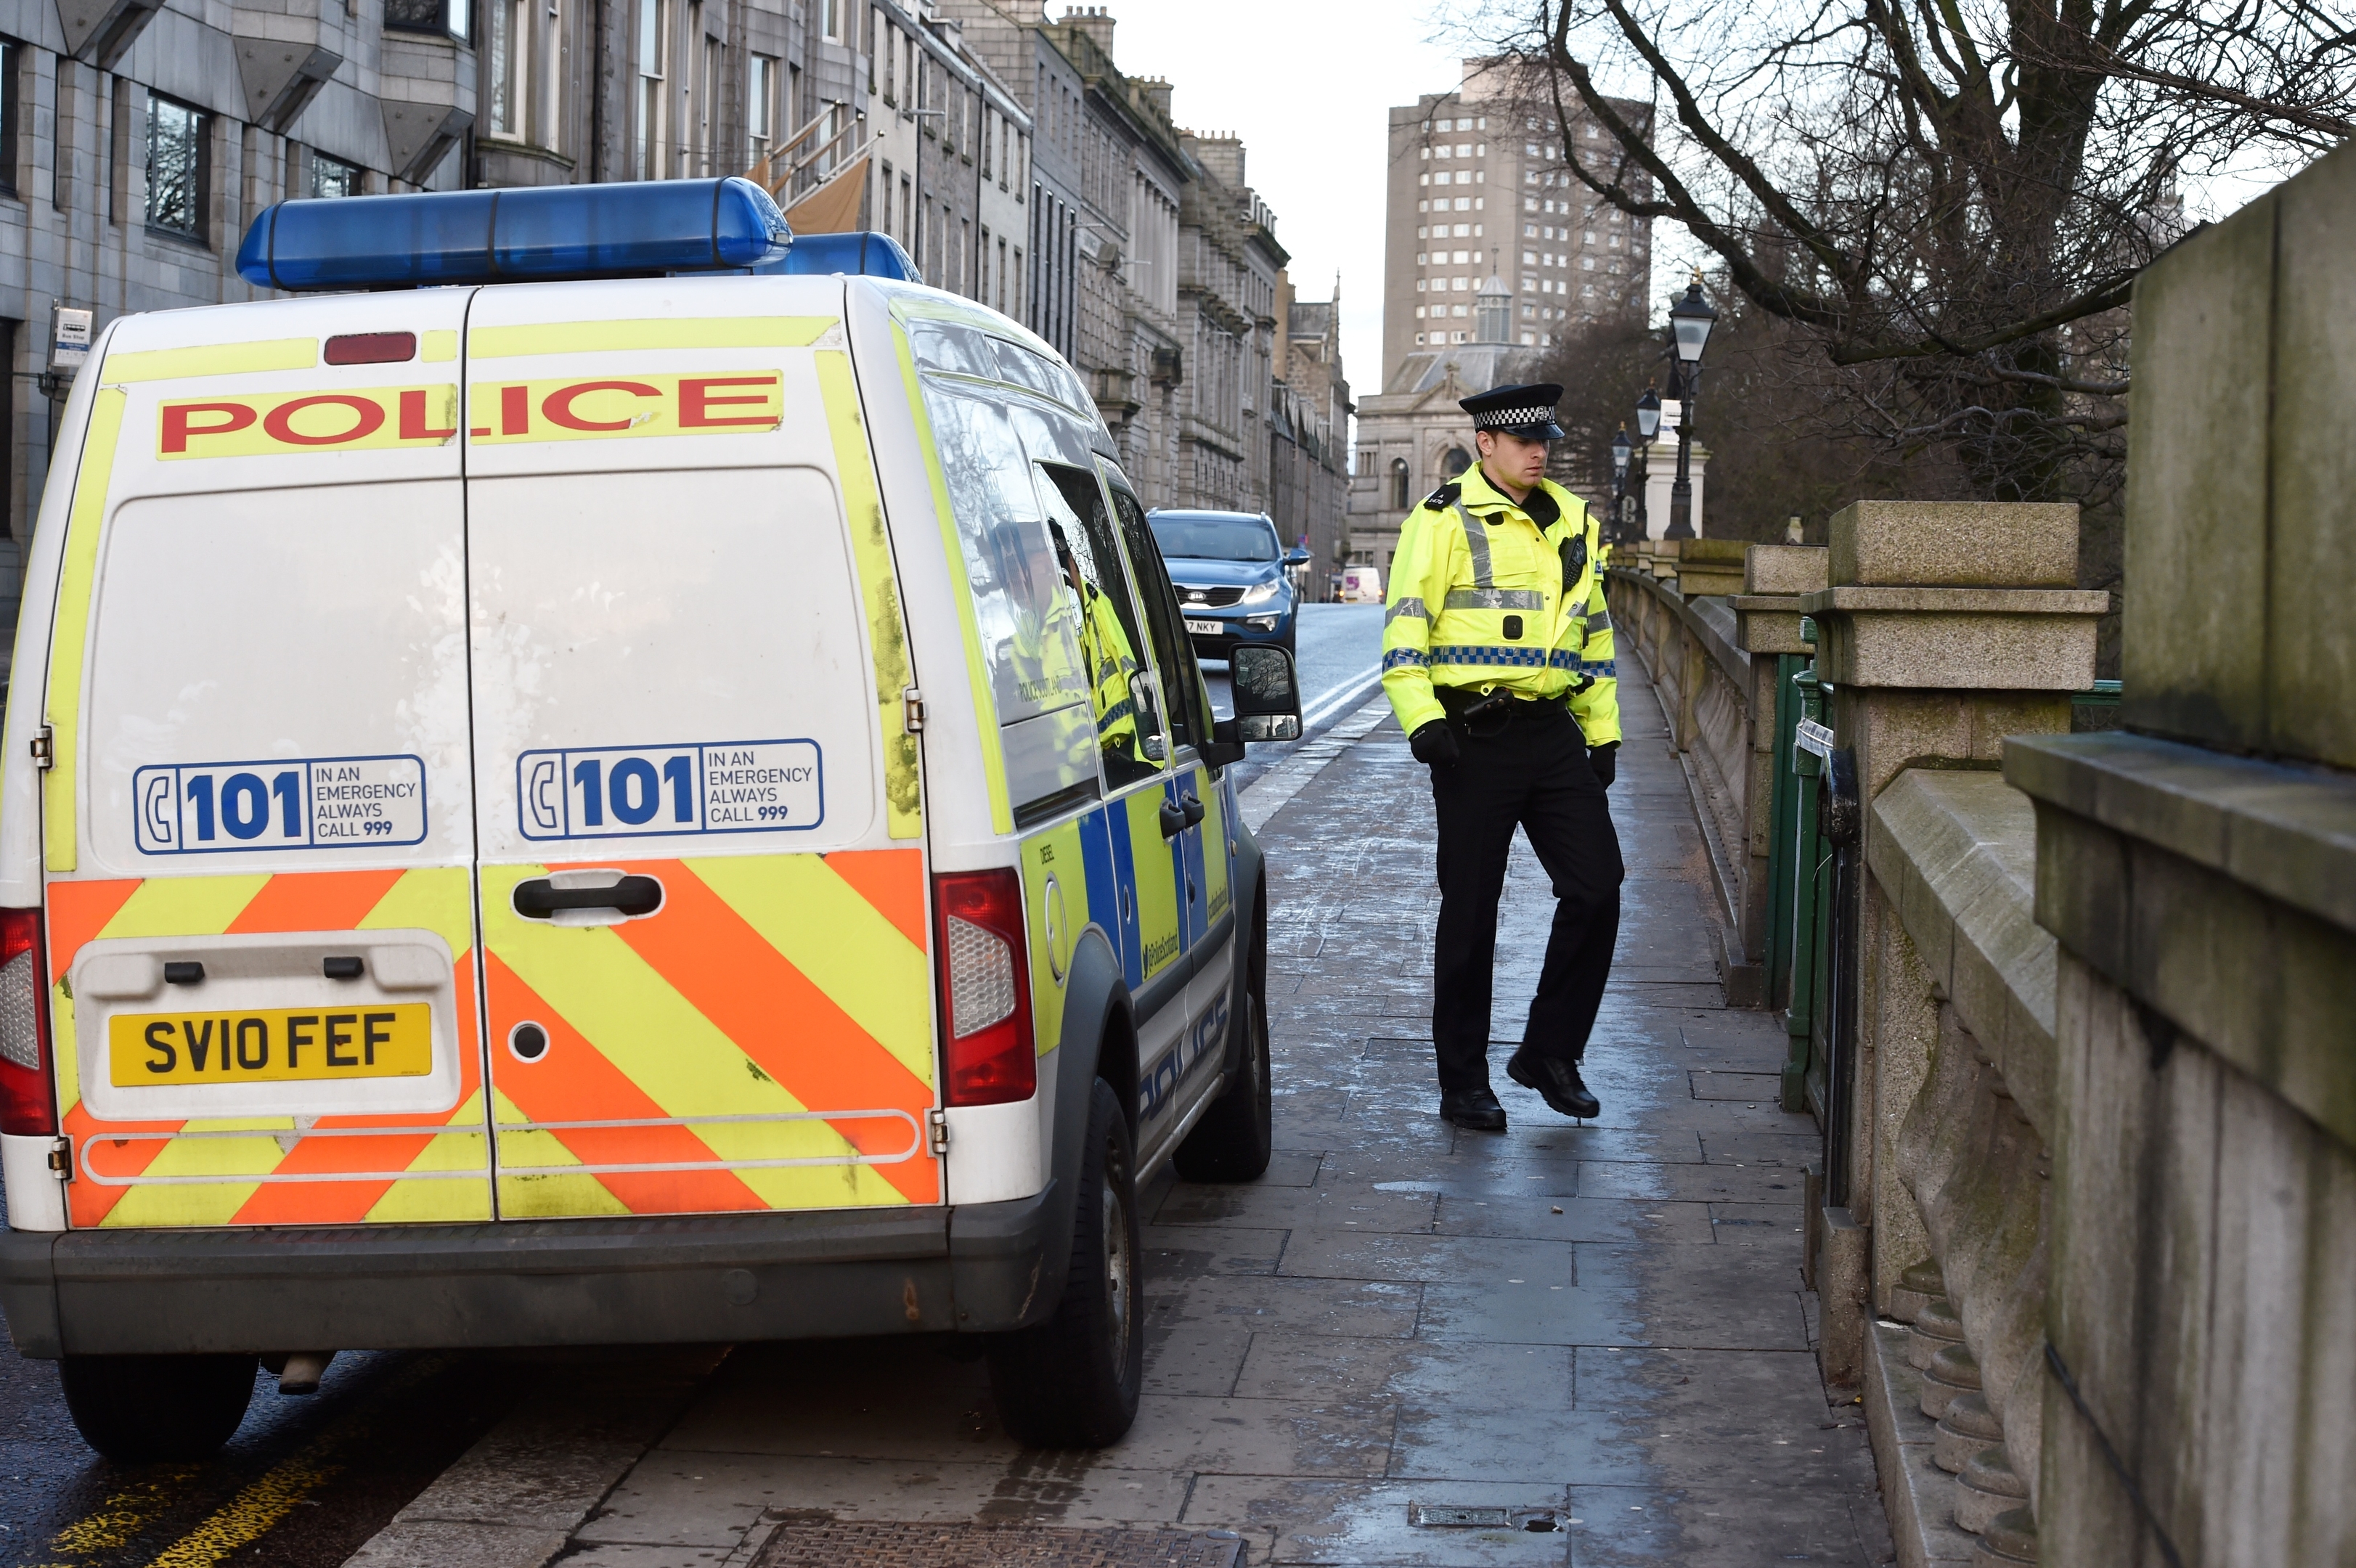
(1949, 199)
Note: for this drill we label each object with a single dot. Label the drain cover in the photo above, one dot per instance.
(1460, 1516)
(836, 1543)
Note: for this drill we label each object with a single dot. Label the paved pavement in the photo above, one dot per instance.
(1599, 1328)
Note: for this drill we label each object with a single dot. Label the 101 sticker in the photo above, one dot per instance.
(618, 792)
(282, 803)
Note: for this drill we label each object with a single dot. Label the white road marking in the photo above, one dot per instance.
(1333, 700)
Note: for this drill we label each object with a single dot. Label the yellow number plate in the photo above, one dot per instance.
(270, 1045)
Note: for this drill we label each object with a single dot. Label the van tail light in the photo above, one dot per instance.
(27, 1102)
(985, 987)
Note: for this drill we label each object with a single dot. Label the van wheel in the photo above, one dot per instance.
(137, 1410)
(1232, 1141)
(1072, 1382)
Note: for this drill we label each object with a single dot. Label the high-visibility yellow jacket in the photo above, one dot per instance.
(1111, 661)
(1478, 601)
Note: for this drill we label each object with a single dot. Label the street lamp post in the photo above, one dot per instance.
(1648, 425)
(1620, 450)
(1690, 320)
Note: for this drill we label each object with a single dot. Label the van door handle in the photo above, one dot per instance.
(538, 898)
(1191, 808)
(1173, 821)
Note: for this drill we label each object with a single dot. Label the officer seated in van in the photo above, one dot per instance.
(1111, 662)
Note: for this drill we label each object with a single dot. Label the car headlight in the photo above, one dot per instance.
(1261, 592)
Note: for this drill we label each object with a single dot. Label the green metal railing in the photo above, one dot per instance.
(1803, 935)
(1802, 871)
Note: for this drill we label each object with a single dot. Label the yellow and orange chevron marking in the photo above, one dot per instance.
(432, 898)
(764, 1041)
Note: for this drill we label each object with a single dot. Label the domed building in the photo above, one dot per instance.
(1413, 438)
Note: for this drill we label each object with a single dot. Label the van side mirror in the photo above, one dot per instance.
(1296, 555)
(1268, 702)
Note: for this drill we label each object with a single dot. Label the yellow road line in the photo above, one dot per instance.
(253, 1512)
(258, 1507)
(118, 1519)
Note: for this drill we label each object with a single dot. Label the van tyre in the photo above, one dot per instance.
(1232, 1141)
(138, 1410)
(1072, 1382)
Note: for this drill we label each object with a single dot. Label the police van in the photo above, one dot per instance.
(597, 776)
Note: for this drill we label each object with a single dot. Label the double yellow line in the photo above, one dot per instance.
(257, 1509)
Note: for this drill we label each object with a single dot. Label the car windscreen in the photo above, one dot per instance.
(1215, 538)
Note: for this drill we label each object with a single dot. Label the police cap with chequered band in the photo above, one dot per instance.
(1525, 411)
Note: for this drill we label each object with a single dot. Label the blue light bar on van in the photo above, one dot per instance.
(641, 229)
(865, 254)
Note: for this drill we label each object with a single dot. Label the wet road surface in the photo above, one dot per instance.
(305, 1482)
(1338, 661)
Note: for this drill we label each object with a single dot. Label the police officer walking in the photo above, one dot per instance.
(1497, 659)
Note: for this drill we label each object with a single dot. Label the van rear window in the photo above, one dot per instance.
(962, 350)
(1025, 621)
(949, 345)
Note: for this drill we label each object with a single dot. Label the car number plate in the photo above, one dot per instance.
(264, 1045)
(1206, 628)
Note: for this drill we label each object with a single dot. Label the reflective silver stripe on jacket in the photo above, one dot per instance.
(1476, 540)
(1409, 606)
(1495, 599)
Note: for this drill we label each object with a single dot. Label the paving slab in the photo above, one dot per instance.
(1699, 1183)
(1288, 1208)
(1177, 1250)
(1416, 1259)
(1197, 1358)
(1582, 1220)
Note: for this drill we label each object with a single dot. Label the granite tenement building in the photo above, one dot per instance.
(138, 139)
(1156, 269)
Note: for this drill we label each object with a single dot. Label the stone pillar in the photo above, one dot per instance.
(1943, 628)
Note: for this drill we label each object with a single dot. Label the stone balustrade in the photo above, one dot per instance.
(2090, 1249)
(1705, 682)
(1714, 660)
(2199, 872)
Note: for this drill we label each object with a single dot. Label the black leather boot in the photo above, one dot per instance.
(1557, 1081)
(1476, 1109)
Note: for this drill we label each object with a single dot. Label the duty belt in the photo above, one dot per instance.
(1488, 713)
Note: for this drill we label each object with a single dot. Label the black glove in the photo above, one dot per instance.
(1434, 744)
(1605, 761)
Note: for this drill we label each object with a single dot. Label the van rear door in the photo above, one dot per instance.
(257, 830)
(702, 890)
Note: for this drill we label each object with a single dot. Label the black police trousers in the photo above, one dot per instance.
(1534, 774)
